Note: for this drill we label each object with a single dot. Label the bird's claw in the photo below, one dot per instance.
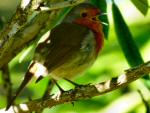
(61, 89)
(75, 84)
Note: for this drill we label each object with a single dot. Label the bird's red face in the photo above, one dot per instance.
(89, 18)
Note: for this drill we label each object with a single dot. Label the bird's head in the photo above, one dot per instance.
(87, 15)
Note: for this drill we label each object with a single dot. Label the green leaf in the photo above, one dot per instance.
(125, 39)
(141, 5)
(102, 5)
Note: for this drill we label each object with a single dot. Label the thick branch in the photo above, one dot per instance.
(87, 91)
(25, 26)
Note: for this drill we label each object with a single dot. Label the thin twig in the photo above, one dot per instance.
(146, 104)
(7, 83)
(54, 6)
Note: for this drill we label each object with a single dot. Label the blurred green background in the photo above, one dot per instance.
(110, 63)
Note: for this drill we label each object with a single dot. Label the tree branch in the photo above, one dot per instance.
(7, 83)
(28, 24)
(85, 91)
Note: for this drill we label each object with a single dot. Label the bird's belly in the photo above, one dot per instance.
(74, 67)
(79, 61)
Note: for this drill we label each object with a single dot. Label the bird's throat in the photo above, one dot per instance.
(99, 40)
(97, 29)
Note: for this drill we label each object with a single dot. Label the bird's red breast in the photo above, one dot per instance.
(89, 18)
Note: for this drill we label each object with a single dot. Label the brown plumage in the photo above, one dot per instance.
(71, 48)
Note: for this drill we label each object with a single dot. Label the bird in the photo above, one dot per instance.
(70, 49)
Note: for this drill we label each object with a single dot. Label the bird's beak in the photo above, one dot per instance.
(103, 14)
(99, 15)
(96, 18)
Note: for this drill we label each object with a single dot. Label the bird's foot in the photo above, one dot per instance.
(48, 90)
(61, 90)
(75, 84)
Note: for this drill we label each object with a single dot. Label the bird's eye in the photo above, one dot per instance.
(84, 14)
(94, 19)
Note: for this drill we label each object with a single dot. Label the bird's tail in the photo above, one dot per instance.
(25, 81)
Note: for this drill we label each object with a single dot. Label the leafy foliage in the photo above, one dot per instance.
(141, 5)
(102, 4)
(125, 38)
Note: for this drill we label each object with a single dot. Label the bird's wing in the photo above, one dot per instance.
(66, 41)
